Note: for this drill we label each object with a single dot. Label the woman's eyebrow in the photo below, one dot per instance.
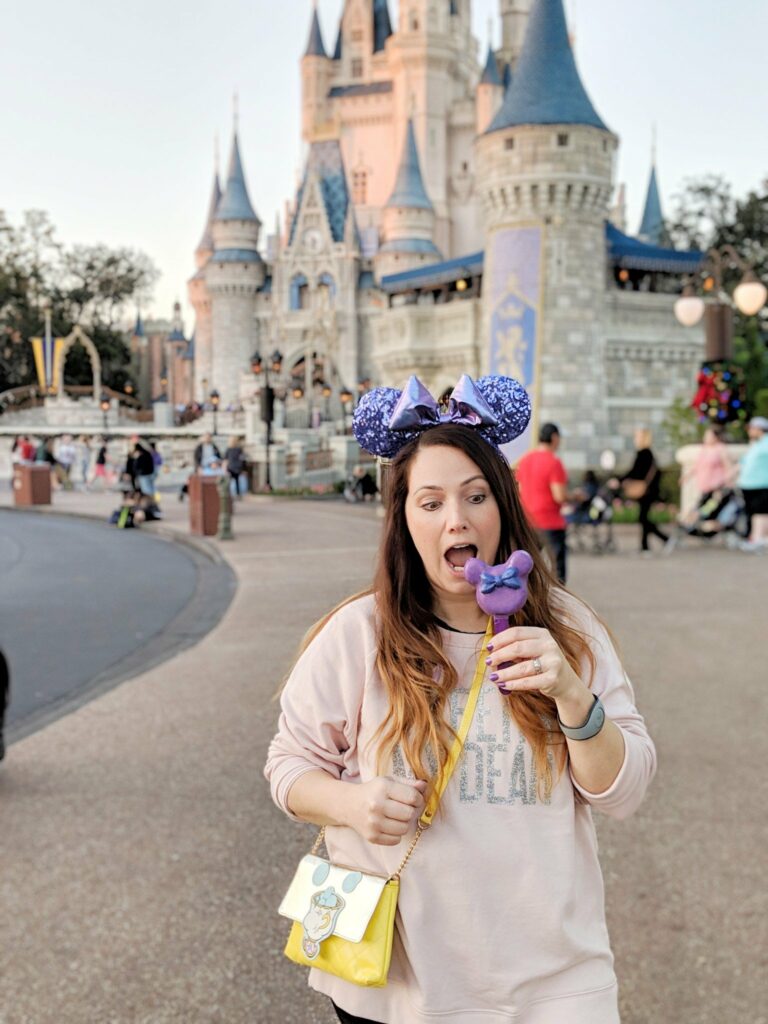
(436, 487)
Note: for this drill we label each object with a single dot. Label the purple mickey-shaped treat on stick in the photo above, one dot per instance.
(502, 590)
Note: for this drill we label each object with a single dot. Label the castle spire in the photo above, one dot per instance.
(315, 44)
(206, 242)
(382, 24)
(409, 188)
(490, 74)
(235, 203)
(652, 226)
(546, 87)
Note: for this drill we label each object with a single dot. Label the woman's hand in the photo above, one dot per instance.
(517, 653)
(383, 810)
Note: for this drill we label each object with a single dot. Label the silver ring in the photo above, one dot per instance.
(537, 666)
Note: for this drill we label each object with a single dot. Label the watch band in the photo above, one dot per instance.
(591, 727)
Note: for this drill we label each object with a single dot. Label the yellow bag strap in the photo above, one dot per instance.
(466, 720)
(455, 753)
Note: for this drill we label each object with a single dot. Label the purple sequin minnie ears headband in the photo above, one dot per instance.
(387, 419)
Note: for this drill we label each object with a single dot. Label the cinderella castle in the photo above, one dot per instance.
(454, 216)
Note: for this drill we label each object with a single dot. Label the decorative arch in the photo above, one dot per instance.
(78, 334)
(327, 282)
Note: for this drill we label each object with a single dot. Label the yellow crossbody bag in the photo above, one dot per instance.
(344, 919)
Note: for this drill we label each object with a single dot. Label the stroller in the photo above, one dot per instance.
(593, 516)
(718, 513)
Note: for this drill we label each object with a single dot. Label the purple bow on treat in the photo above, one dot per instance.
(387, 419)
(509, 578)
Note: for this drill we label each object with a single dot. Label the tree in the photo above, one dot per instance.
(86, 285)
(708, 216)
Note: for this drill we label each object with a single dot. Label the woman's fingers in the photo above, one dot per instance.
(519, 649)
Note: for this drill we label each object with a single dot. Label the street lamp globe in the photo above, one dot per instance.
(256, 363)
(689, 308)
(750, 295)
(346, 396)
(277, 360)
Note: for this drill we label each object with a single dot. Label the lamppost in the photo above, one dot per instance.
(105, 404)
(720, 395)
(215, 398)
(267, 398)
(749, 298)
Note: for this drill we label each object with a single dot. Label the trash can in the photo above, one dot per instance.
(32, 484)
(203, 505)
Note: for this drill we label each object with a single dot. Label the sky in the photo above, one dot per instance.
(110, 108)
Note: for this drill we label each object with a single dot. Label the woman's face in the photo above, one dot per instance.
(452, 516)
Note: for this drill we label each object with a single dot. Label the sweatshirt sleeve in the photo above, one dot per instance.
(612, 685)
(320, 708)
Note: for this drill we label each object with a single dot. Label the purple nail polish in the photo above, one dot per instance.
(488, 661)
(505, 690)
(490, 647)
(494, 677)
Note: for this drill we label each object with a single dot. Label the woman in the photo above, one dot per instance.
(712, 472)
(645, 471)
(501, 905)
(234, 457)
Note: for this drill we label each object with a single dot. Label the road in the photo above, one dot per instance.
(83, 605)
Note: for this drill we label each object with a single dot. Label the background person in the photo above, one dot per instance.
(645, 471)
(234, 458)
(753, 481)
(501, 904)
(542, 480)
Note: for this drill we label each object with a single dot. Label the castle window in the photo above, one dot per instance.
(326, 289)
(359, 187)
(563, 139)
(509, 143)
(357, 67)
(299, 292)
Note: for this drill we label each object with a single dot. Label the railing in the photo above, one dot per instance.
(25, 397)
(319, 460)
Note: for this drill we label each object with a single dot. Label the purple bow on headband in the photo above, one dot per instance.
(387, 419)
(417, 409)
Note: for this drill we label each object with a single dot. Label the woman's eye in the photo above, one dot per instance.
(430, 506)
(476, 499)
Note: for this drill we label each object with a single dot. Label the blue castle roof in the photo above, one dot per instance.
(382, 25)
(635, 254)
(138, 330)
(206, 242)
(326, 161)
(409, 188)
(506, 80)
(189, 352)
(315, 44)
(491, 71)
(235, 204)
(339, 44)
(652, 226)
(546, 88)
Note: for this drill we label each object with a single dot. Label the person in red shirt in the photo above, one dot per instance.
(542, 480)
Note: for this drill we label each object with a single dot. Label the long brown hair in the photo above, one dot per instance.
(417, 674)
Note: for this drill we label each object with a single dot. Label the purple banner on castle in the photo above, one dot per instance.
(515, 294)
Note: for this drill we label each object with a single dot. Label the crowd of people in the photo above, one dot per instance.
(729, 491)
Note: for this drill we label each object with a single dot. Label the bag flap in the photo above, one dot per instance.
(332, 900)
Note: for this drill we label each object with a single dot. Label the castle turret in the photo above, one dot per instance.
(317, 70)
(514, 22)
(409, 218)
(544, 176)
(234, 273)
(200, 298)
(490, 92)
(652, 226)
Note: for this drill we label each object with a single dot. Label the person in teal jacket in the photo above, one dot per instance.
(753, 481)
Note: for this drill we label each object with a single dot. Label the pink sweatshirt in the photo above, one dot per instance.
(501, 915)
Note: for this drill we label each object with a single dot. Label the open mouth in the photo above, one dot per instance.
(458, 556)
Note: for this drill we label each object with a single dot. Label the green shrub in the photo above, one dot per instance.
(761, 402)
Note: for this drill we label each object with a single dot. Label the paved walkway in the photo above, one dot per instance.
(142, 860)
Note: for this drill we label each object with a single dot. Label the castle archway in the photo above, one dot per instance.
(78, 334)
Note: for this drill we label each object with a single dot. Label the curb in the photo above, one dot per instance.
(200, 544)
